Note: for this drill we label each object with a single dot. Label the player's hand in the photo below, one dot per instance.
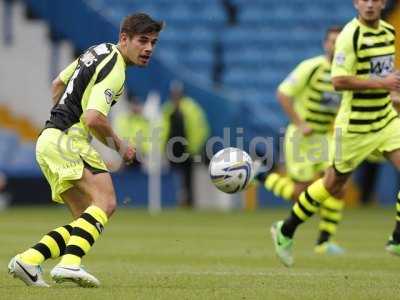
(128, 154)
(395, 96)
(392, 81)
(305, 129)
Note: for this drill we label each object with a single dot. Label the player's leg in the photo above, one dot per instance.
(309, 203)
(331, 214)
(283, 186)
(330, 186)
(390, 147)
(348, 152)
(87, 228)
(393, 245)
(330, 210)
(26, 266)
(299, 169)
(77, 202)
(52, 245)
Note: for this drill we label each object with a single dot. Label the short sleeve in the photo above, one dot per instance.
(105, 92)
(344, 61)
(66, 74)
(297, 79)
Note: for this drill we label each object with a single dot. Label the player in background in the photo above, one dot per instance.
(311, 103)
(83, 94)
(366, 124)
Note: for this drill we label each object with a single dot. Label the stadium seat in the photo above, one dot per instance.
(9, 142)
(23, 161)
(210, 15)
(269, 40)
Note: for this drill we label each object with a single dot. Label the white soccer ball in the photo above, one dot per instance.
(231, 170)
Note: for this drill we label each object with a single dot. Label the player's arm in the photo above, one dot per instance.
(57, 89)
(344, 69)
(290, 88)
(354, 83)
(287, 105)
(95, 115)
(100, 127)
(60, 83)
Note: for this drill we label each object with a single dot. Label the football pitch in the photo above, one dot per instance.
(187, 255)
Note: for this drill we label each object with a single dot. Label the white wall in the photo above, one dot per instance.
(24, 68)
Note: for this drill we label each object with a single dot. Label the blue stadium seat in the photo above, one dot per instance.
(236, 79)
(171, 35)
(200, 34)
(252, 56)
(198, 56)
(168, 55)
(253, 15)
(272, 37)
(209, 14)
(9, 142)
(23, 161)
(201, 72)
(178, 15)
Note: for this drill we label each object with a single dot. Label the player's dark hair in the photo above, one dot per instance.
(140, 23)
(333, 29)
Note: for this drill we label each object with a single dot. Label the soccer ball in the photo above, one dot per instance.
(231, 170)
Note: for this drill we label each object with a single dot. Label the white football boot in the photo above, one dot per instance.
(31, 275)
(74, 274)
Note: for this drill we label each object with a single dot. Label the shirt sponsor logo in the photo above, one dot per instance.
(109, 95)
(101, 49)
(331, 99)
(340, 58)
(382, 65)
(88, 59)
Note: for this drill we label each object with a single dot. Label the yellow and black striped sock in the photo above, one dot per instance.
(52, 245)
(331, 214)
(280, 186)
(85, 232)
(308, 204)
(396, 232)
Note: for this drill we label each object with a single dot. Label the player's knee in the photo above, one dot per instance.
(299, 187)
(335, 182)
(336, 187)
(111, 206)
(106, 200)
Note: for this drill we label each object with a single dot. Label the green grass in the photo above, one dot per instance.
(184, 255)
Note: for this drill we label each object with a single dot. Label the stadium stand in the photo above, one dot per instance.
(258, 50)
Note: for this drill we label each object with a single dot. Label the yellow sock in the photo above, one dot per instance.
(280, 185)
(86, 231)
(398, 208)
(310, 200)
(52, 245)
(331, 214)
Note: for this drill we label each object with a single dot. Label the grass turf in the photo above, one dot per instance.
(186, 255)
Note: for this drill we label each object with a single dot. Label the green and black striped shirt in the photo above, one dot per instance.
(365, 52)
(93, 81)
(315, 99)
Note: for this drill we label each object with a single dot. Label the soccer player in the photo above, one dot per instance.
(367, 123)
(311, 103)
(83, 94)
